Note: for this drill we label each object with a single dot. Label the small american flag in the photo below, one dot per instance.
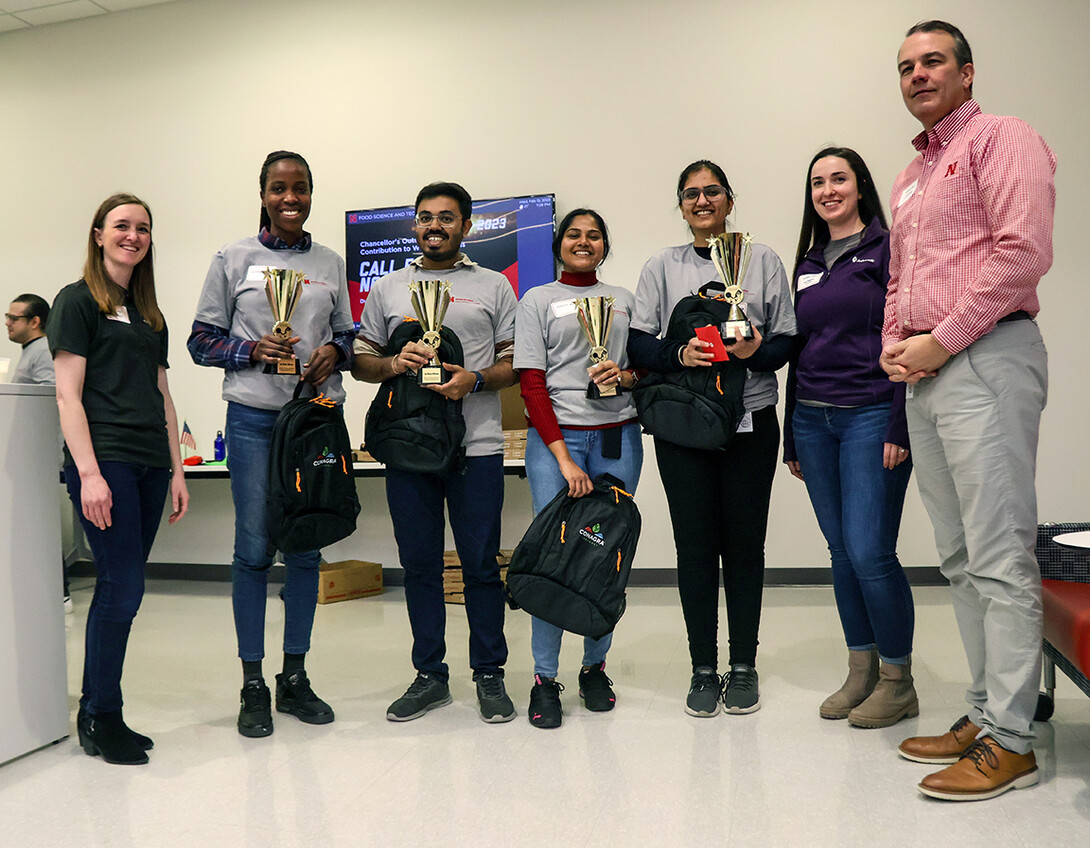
(187, 437)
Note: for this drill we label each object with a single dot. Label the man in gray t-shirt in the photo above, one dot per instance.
(482, 315)
(25, 320)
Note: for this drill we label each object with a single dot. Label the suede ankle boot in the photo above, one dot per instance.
(893, 699)
(861, 680)
(106, 735)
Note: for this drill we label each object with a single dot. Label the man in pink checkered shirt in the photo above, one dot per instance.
(971, 239)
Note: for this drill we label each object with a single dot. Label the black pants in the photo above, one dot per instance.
(719, 511)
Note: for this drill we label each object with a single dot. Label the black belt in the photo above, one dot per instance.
(1020, 315)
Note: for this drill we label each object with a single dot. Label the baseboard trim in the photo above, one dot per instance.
(918, 575)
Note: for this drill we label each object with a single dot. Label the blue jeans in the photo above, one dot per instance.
(543, 473)
(121, 552)
(249, 435)
(858, 506)
(474, 501)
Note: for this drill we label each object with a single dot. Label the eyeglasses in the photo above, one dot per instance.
(13, 318)
(446, 220)
(711, 192)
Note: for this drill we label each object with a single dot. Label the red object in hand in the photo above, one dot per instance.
(710, 334)
(193, 460)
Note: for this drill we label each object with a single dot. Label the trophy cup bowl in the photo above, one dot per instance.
(430, 300)
(284, 287)
(731, 253)
(596, 319)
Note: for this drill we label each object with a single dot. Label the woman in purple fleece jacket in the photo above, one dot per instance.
(845, 433)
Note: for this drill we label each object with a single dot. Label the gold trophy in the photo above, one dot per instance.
(284, 288)
(430, 299)
(596, 319)
(731, 253)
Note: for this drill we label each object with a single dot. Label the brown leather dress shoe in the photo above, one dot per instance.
(985, 770)
(938, 750)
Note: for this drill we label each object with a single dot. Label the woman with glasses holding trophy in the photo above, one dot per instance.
(274, 310)
(718, 498)
(846, 436)
(570, 343)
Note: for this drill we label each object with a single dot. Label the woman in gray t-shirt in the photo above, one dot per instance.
(572, 437)
(233, 331)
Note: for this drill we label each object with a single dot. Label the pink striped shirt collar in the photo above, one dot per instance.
(948, 127)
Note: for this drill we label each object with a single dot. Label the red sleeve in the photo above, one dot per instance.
(539, 408)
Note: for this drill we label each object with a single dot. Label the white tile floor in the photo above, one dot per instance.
(644, 775)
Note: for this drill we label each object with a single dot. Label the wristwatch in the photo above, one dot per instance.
(479, 384)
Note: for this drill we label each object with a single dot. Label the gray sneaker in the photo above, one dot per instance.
(426, 693)
(740, 691)
(703, 700)
(492, 698)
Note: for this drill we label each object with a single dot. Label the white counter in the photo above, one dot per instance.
(34, 693)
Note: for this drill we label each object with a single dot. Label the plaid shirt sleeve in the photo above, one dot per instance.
(212, 346)
(343, 342)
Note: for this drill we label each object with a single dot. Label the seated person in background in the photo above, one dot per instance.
(25, 320)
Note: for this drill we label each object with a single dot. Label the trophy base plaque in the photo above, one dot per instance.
(431, 375)
(594, 391)
(287, 367)
(727, 329)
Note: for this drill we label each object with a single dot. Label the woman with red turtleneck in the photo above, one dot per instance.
(573, 438)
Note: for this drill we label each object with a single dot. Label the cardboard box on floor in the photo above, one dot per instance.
(453, 586)
(352, 578)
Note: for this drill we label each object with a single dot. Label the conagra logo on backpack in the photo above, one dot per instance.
(577, 581)
(592, 534)
(312, 499)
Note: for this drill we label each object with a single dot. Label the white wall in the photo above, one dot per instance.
(601, 103)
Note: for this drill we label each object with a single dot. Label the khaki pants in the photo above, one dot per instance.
(973, 432)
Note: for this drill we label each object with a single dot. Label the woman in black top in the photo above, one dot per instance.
(121, 455)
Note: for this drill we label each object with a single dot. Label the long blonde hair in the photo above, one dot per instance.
(103, 289)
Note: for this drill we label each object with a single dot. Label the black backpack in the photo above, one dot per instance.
(414, 429)
(697, 407)
(312, 499)
(571, 568)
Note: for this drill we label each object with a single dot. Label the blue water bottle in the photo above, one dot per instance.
(219, 449)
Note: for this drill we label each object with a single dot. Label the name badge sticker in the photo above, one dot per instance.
(121, 315)
(807, 280)
(256, 274)
(906, 195)
(562, 308)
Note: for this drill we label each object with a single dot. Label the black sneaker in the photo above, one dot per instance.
(545, 709)
(596, 689)
(492, 698)
(703, 700)
(740, 692)
(426, 693)
(294, 696)
(255, 713)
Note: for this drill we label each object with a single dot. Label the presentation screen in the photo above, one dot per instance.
(512, 235)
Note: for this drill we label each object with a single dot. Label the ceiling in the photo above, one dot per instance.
(21, 14)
